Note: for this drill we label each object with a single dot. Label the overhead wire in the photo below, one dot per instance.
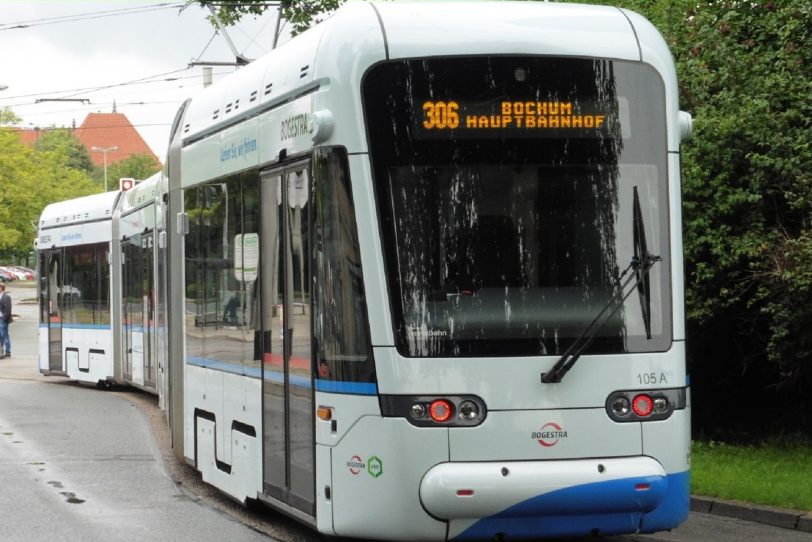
(147, 80)
(197, 58)
(17, 25)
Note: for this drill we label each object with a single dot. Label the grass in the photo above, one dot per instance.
(776, 474)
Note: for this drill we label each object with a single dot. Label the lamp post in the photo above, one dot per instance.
(104, 151)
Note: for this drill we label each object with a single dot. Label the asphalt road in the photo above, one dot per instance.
(77, 463)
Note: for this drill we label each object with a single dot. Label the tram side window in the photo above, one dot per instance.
(194, 269)
(340, 326)
(44, 273)
(84, 293)
(221, 270)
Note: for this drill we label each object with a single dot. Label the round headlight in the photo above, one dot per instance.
(621, 407)
(418, 411)
(469, 410)
(660, 405)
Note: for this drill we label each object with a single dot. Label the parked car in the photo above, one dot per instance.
(24, 272)
(7, 275)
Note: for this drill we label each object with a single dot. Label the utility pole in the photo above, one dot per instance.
(104, 150)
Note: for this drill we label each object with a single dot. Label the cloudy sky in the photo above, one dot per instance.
(136, 54)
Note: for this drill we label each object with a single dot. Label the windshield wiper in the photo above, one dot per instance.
(641, 263)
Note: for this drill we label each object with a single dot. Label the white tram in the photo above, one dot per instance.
(73, 243)
(141, 285)
(428, 213)
(424, 275)
(102, 288)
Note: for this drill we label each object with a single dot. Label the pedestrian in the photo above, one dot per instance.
(5, 320)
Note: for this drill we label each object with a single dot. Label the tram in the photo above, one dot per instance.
(102, 290)
(423, 276)
(75, 303)
(140, 267)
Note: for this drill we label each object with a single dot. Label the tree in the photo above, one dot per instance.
(300, 13)
(137, 166)
(7, 116)
(62, 141)
(745, 72)
(17, 186)
(30, 179)
(747, 76)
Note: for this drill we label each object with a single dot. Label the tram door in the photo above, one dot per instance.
(148, 307)
(51, 305)
(288, 415)
(139, 309)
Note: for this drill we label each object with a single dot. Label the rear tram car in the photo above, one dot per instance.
(74, 248)
(424, 267)
(141, 285)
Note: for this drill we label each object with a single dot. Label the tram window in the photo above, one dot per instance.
(194, 269)
(340, 317)
(221, 270)
(505, 225)
(84, 293)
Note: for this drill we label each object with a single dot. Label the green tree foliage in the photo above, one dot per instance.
(301, 14)
(63, 143)
(136, 166)
(17, 183)
(30, 179)
(745, 72)
(7, 116)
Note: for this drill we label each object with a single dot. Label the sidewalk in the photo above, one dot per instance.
(769, 515)
(24, 330)
(23, 366)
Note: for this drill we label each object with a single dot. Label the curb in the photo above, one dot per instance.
(769, 515)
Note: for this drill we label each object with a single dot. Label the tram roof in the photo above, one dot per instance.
(75, 211)
(143, 192)
(390, 30)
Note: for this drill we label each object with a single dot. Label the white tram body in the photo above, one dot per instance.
(326, 111)
(140, 246)
(423, 276)
(73, 241)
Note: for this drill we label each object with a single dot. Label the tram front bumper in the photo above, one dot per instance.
(619, 490)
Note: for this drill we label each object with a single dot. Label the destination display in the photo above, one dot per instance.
(512, 118)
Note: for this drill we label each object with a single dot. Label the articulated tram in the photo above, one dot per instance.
(75, 304)
(102, 291)
(416, 274)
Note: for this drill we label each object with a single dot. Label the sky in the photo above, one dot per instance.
(133, 54)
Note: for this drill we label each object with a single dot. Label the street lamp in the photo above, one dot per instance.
(104, 150)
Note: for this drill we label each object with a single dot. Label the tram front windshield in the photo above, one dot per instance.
(505, 190)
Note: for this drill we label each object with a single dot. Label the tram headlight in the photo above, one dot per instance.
(660, 404)
(645, 405)
(435, 411)
(418, 411)
(468, 410)
(621, 407)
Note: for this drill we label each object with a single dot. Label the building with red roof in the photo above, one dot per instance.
(102, 130)
(105, 130)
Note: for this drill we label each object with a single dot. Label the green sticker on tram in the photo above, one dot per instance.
(375, 466)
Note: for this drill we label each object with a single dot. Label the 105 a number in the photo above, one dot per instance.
(440, 115)
(652, 378)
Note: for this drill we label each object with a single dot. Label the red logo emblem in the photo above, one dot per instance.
(549, 435)
(355, 465)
